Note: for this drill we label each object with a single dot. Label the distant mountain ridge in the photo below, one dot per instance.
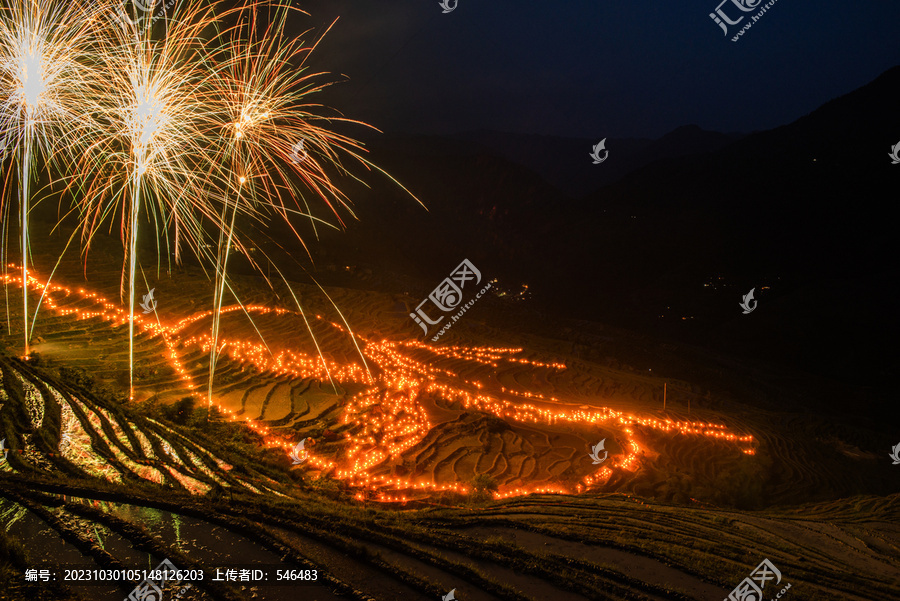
(798, 210)
(560, 161)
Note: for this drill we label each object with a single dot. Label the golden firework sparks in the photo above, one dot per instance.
(149, 130)
(43, 44)
(190, 122)
(277, 146)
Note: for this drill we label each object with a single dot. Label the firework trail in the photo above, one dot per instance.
(43, 44)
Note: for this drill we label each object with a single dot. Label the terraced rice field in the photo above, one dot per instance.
(94, 485)
(426, 467)
(410, 418)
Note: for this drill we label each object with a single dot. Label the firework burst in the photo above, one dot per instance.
(189, 119)
(149, 131)
(43, 44)
(277, 147)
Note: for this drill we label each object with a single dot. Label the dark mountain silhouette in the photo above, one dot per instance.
(797, 212)
(560, 161)
(806, 198)
(800, 209)
(479, 206)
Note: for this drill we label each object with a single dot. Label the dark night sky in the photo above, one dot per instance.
(585, 68)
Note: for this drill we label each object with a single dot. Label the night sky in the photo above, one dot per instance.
(589, 69)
